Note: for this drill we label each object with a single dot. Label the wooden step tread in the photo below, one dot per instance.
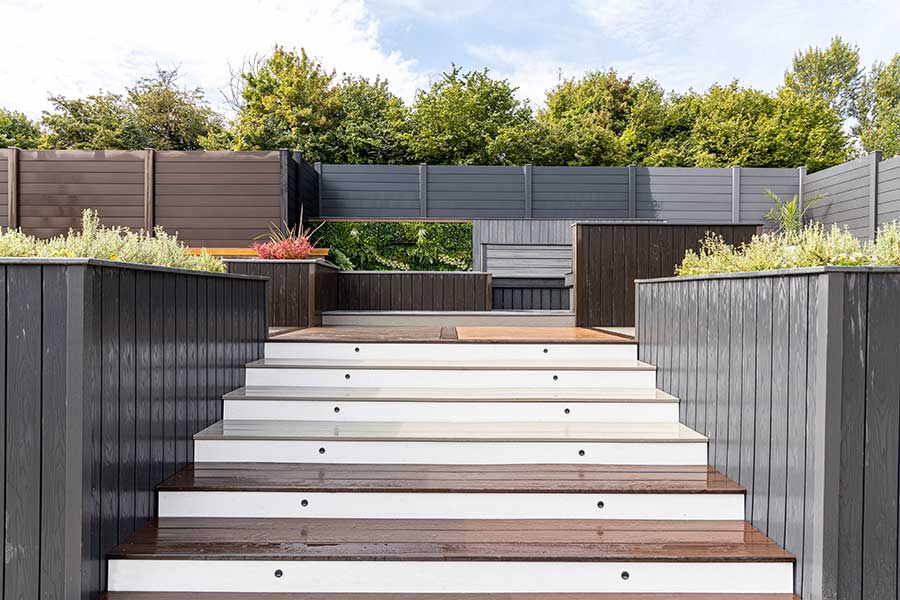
(411, 431)
(519, 596)
(468, 365)
(337, 478)
(452, 394)
(450, 540)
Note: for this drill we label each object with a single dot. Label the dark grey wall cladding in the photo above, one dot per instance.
(413, 291)
(593, 192)
(307, 187)
(530, 294)
(889, 190)
(472, 192)
(684, 194)
(844, 192)
(754, 182)
(369, 191)
(793, 378)
(108, 371)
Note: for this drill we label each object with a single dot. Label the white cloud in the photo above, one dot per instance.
(75, 48)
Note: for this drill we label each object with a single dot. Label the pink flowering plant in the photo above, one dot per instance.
(296, 243)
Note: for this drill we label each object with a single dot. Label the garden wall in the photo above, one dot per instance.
(793, 377)
(108, 371)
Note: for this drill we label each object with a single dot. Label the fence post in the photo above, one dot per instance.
(801, 173)
(12, 187)
(875, 158)
(632, 191)
(423, 190)
(529, 209)
(149, 190)
(735, 194)
(317, 167)
(284, 160)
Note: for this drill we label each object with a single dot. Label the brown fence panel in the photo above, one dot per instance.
(55, 186)
(4, 188)
(218, 199)
(607, 258)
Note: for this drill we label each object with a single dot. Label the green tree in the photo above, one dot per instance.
(17, 130)
(97, 122)
(458, 118)
(831, 74)
(878, 127)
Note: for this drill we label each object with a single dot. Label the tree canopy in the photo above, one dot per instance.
(827, 109)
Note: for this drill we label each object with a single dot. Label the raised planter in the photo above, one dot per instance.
(795, 377)
(108, 370)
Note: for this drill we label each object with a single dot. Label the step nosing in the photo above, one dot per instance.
(445, 366)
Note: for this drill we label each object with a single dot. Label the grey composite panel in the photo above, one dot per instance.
(889, 190)
(844, 192)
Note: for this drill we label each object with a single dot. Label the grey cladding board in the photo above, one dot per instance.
(82, 435)
(889, 190)
(511, 260)
(808, 360)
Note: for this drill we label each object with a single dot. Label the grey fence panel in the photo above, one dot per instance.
(81, 434)
(472, 192)
(369, 191)
(889, 190)
(844, 192)
(677, 194)
(512, 260)
(580, 192)
(754, 202)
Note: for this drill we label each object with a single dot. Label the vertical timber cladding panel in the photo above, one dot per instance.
(379, 191)
(56, 186)
(413, 291)
(580, 192)
(218, 199)
(686, 195)
(844, 195)
(475, 192)
(888, 190)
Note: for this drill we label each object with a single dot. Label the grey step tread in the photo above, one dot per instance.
(451, 394)
(419, 596)
(344, 478)
(469, 365)
(395, 431)
(513, 540)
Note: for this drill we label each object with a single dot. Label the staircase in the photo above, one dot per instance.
(451, 471)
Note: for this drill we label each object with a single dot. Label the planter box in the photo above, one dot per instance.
(108, 371)
(795, 377)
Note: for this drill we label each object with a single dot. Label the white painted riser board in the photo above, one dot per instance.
(449, 576)
(399, 505)
(555, 353)
(448, 378)
(608, 412)
(451, 452)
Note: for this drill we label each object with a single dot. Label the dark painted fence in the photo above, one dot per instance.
(530, 294)
(609, 257)
(793, 376)
(297, 291)
(414, 291)
(108, 371)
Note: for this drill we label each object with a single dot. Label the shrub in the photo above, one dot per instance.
(811, 246)
(110, 243)
(399, 246)
(295, 244)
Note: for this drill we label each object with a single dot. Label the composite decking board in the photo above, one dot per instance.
(386, 431)
(450, 539)
(463, 479)
(445, 334)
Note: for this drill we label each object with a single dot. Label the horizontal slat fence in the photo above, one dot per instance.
(108, 371)
(609, 257)
(414, 291)
(793, 377)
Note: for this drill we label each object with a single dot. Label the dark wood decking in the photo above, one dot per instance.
(535, 540)
(364, 335)
(449, 478)
(517, 596)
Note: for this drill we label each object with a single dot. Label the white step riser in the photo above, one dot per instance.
(555, 353)
(448, 378)
(312, 410)
(451, 452)
(449, 576)
(363, 505)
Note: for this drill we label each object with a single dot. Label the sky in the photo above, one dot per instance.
(79, 47)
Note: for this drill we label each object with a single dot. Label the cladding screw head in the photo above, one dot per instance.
(337, 409)
(625, 575)
(321, 450)
(546, 351)
(356, 349)
(581, 453)
(600, 504)
(567, 411)
(304, 503)
(278, 573)
(556, 378)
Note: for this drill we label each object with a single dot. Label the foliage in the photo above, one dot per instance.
(95, 240)
(155, 113)
(296, 243)
(788, 215)
(457, 118)
(810, 246)
(831, 74)
(399, 246)
(17, 130)
(878, 127)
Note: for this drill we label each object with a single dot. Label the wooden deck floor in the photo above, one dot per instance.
(349, 333)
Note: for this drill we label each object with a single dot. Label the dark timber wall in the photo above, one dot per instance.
(609, 257)
(414, 291)
(108, 371)
(793, 376)
(523, 293)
